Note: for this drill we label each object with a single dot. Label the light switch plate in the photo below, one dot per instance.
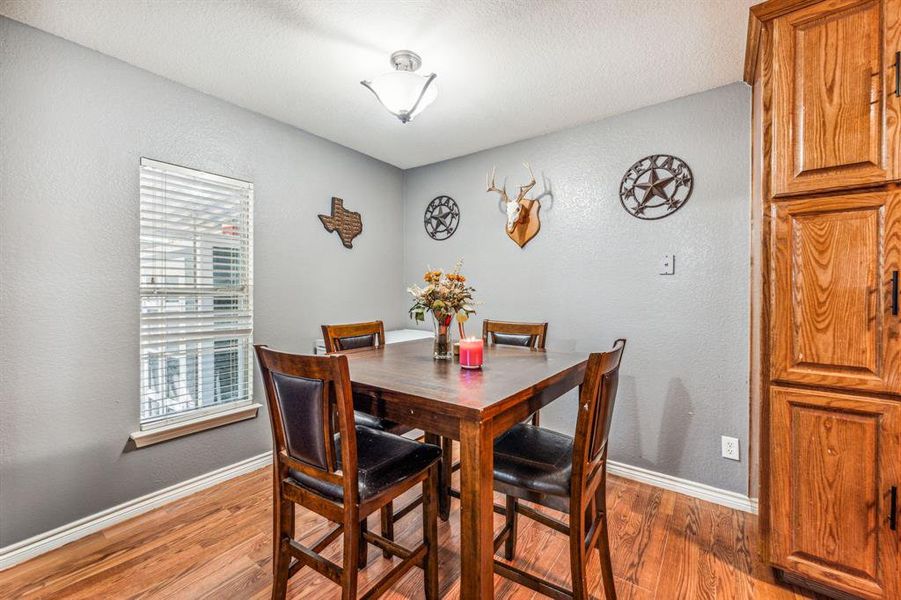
(668, 264)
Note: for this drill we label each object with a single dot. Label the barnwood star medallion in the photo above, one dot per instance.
(442, 216)
(347, 223)
(656, 187)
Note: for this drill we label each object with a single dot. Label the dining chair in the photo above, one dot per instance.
(353, 336)
(509, 333)
(326, 463)
(357, 336)
(564, 473)
(349, 336)
(502, 333)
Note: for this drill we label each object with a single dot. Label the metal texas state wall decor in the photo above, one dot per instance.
(347, 223)
(656, 187)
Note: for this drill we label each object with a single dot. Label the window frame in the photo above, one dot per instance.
(160, 428)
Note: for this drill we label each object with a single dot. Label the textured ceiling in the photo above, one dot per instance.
(506, 70)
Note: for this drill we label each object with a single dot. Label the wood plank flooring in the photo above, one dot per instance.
(216, 544)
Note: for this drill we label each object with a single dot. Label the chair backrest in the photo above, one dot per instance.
(597, 397)
(508, 333)
(309, 397)
(353, 335)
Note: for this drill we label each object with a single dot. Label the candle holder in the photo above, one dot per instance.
(471, 353)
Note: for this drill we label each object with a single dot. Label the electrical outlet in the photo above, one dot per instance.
(730, 448)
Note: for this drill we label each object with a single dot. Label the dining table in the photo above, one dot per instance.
(404, 383)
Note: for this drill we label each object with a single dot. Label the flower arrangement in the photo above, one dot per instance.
(445, 296)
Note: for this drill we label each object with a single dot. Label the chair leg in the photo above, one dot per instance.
(351, 556)
(430, 493)
(606, 564)
(363, 548)
(511, 520)
(536, 419)
(599, 508)
(283, 518)
(281, 560)
(578, 555)
(444, 481)
(387, 516)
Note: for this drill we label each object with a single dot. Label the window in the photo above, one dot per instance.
(196, 293)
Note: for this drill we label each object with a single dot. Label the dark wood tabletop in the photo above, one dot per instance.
(509, 375)
(405, 384)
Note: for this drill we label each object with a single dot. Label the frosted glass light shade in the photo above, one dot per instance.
(404, 93)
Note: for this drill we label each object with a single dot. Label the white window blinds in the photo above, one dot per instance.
(196, 293)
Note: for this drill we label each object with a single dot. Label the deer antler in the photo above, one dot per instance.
(525, 189)
(493, 188)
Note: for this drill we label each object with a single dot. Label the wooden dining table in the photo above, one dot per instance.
(405, 384)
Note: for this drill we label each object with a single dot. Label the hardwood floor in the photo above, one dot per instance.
(216, 544)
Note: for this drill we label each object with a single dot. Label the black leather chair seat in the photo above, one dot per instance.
(383, 460)
(366, 420)
(362, 403)
(532, 462)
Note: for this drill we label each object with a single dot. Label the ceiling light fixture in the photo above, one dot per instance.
(404, 93)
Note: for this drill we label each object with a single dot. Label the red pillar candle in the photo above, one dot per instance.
(471, 353)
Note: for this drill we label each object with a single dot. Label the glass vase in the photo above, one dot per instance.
(443, 347)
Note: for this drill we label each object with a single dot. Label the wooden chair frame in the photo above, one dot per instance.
(538, 331)
(289, 556)
(332, 334)
(587, 528)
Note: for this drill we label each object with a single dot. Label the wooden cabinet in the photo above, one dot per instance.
(826, 327)
(835, 110)
(835, 264)
(836, 458)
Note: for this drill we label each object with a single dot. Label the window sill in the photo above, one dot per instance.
(177, 430)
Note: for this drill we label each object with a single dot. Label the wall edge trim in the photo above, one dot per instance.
(686, 487)
(44, 542)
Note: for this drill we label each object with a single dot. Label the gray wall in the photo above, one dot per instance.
(73, 126)
(592, 271)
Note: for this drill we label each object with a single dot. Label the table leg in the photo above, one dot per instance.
(477, 511)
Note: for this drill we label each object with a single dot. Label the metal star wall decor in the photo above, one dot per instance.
(442, 216)
(656, 187)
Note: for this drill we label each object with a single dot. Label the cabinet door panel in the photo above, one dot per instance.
(829, 105)
(834, 460)
(832, 292)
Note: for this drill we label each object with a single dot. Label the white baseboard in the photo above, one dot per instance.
(684, 486)
(39, 544)
(44, 542)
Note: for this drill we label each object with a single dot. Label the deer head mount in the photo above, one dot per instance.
(522, 213)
